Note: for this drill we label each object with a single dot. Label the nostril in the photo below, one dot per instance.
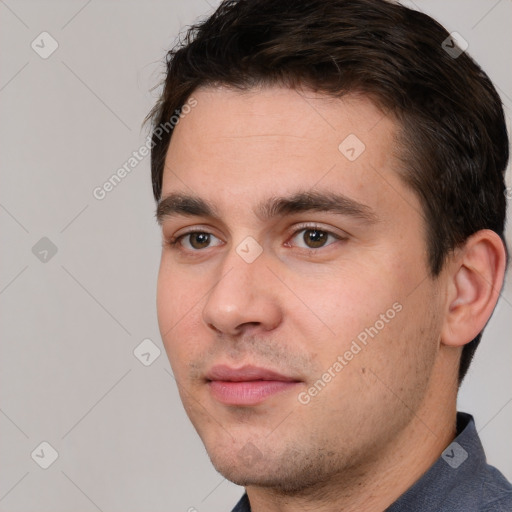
(211, 326)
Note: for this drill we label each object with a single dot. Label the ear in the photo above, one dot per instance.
(475, 277)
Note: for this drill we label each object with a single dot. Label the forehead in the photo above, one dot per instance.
(247, 145)
(281, 114)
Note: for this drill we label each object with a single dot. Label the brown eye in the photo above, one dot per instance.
(314, 238)
(199, 240)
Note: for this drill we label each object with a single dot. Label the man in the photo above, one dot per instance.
(332, 205)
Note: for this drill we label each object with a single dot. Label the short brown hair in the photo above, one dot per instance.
(453, 141)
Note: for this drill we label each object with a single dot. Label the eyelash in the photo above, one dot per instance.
(174, 242)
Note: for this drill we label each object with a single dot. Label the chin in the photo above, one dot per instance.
(290, 472)
(241, 474)
(242, 466)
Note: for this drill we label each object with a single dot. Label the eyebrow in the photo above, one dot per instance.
(178, 204)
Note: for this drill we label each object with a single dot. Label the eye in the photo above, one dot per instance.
(197, 240)
(313, 238)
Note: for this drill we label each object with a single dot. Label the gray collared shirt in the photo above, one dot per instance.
(459, 481)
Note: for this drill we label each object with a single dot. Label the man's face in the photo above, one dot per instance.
(299, 319)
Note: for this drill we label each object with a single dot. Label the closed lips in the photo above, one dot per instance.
(246, 373)
(246, 386)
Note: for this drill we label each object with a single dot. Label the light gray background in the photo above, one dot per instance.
(69, 325)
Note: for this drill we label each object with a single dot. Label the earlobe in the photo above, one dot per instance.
(475, 280)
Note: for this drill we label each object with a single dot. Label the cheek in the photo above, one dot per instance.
(166, 301)
(356, 309)
(348, 300)
(177, 306)
(177, 293)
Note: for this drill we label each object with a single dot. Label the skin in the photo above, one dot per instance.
(384, 419)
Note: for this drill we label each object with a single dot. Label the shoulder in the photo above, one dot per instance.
(496, 492)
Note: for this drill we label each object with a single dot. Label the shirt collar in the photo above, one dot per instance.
(449, 484)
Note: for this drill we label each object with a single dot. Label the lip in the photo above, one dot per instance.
(245, 373)
(247, 385)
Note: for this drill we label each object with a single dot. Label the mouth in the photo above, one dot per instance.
(248, 385)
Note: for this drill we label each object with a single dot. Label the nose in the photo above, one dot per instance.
(243, 298)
